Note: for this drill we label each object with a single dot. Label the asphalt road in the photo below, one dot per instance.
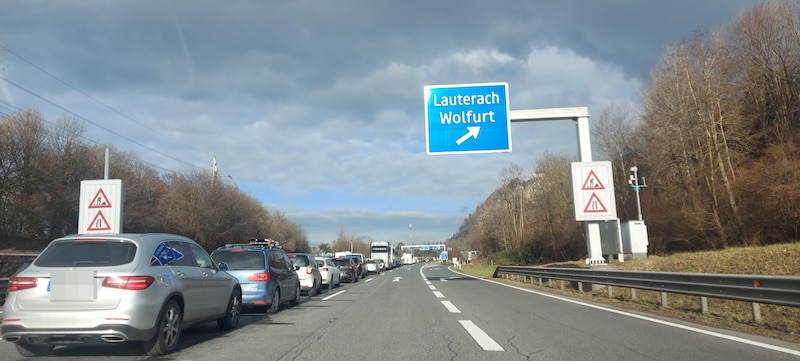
(428, 312)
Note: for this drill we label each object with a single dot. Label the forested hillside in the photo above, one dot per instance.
(715, 135)
(43, 163)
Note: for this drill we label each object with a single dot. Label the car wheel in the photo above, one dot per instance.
(168, 331)
(313, 290)
(275, 306)
(28, 350)
(231, 317)
(296, 300)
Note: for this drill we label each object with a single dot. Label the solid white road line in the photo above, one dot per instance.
(483, 339)
(651, 319)
(450, 307)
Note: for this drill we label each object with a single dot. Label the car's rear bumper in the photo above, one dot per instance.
(102, 334)
(306, 284)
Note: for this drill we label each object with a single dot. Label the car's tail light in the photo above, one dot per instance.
(21, 283)
(132, 283)
(323, 269)
(309, 270)
(259, 277)
(349, 267)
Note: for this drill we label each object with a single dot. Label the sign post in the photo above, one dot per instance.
(467, 118)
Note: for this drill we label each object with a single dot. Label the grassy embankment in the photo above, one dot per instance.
(777, 321)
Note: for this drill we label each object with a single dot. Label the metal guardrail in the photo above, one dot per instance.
(775, 290)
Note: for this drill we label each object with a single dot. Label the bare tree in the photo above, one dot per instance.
(691, 112)
(613, 133)
(555, 217)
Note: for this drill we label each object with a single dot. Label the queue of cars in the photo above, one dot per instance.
(148, 288)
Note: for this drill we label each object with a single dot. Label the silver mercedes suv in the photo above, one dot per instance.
(99, 289)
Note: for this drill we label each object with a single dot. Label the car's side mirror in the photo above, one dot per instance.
(296, 268)
(222, 266)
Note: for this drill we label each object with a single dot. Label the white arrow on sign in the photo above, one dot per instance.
(471, 132)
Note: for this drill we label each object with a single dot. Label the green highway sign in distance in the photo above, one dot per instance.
(467, 118)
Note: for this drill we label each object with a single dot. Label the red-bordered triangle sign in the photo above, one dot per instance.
(99, 223)
(100, 200)
(592, 182)
(595, 205)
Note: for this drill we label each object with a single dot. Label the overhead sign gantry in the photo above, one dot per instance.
(456, 117)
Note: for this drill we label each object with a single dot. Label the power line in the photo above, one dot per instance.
(97, 100)
(14, 109)
(92, 122)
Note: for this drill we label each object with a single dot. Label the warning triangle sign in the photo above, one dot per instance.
(595, 205)
(100, 200)
(592, 182)
(99, 223)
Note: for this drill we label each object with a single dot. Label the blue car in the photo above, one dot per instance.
(265, 272)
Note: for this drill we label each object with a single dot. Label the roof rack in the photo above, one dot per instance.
(255, 242)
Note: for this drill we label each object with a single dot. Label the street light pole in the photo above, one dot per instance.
(410, 237)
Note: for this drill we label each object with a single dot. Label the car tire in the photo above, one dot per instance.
(313, 290)
(168, 331)
(231, 317)
(28, 350)
(275, 306)
(296, 300)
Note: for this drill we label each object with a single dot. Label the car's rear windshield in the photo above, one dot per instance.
(299, 260)
(252, 260)
(342, 262)
(86, 254)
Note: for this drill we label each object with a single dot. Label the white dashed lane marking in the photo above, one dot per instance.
(450, 307)
(483, 339)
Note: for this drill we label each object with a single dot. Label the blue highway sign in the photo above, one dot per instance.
(467, 118)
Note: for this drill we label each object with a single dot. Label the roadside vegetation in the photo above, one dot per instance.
(778, 322)
(42, 165)
(716, 136)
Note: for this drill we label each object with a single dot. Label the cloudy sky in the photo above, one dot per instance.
(316, 107)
